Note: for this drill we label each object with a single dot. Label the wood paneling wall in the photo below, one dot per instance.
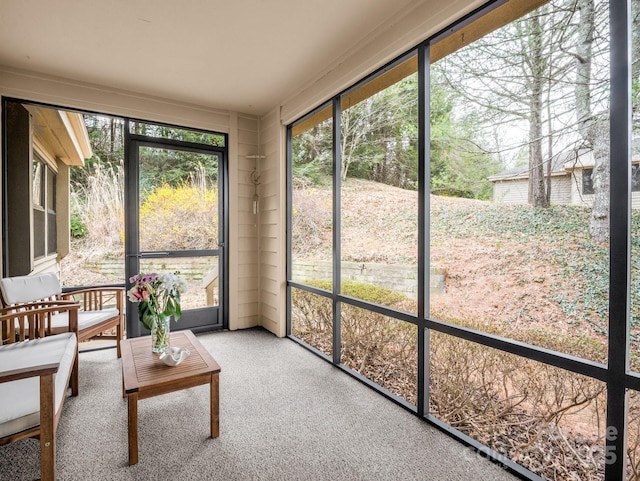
(272, 225)
(244, 252)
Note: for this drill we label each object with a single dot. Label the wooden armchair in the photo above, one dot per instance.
(34, 377)
(101, 308)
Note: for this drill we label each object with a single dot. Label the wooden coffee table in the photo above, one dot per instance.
(144, 375)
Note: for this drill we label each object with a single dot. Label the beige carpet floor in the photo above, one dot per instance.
(285, 415)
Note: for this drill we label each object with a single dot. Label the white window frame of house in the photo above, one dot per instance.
(48, 206)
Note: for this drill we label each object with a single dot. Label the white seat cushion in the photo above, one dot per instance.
(20, 400)
(21, 289)
(60, 321)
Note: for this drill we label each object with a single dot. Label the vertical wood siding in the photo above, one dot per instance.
(243, 225)
(272, 226)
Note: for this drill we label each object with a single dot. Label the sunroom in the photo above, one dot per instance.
(344, 151)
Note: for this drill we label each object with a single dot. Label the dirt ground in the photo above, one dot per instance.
(490, 281)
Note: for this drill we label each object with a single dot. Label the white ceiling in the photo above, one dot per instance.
(241, 55)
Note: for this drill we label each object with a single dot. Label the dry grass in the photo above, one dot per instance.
(505, 265)
(100, 206)
(542, 417)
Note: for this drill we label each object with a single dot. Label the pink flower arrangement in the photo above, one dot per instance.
(158, 296)
(143, 285)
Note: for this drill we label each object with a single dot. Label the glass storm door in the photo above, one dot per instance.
(177, 223)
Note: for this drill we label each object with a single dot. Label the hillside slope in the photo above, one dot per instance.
(508, 266)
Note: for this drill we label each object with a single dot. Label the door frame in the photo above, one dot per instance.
(131, 205)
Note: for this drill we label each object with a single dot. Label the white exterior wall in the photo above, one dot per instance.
(244, 140)
(561, 190)
(517, 191)
(578, 198)
(510, 191)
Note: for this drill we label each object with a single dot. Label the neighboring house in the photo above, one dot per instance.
(42, 144)
(512, 186)
(571, 181)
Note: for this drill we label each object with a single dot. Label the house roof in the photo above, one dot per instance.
(561, 164)
(63, 134)
(246, 55)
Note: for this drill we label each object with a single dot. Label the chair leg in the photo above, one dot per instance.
(118, 338)
(73, 379)
(47, 429)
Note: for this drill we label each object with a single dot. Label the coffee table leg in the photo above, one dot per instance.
(215, 405)
(133, 427)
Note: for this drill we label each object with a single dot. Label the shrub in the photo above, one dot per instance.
(311, 220)
(524, 409)
(98, 204)
(312, 318)
(382, 349)
(519, 407)
(78, 229)
(179, 218)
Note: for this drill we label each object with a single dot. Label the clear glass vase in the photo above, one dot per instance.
(160, 335)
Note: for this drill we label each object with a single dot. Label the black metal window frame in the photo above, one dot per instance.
(615, 373)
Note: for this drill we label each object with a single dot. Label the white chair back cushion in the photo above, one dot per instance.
(17, 290)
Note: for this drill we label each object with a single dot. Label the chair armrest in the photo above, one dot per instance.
(32, 320)
(38, 305)
(80, 290)
(27, 372)
(93, 298)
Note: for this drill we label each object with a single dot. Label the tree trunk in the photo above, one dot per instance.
(599, 226)
(584, 53)
(112, 135)
(550, 133)
(345, 153)
(537, 191)
(595, 134)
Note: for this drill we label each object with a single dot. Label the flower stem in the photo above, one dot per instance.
(160, 334)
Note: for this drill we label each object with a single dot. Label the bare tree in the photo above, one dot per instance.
(517, 74)
(536, 79)
(593, 129)
(357, 123)
(379, 133)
